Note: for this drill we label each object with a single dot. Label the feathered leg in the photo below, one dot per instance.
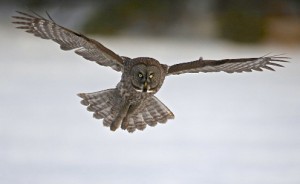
(121, 115)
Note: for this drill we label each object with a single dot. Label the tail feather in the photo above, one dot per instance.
(108, 120)
(104, 105)
(103, 113)
(139, 122)
(152, 112)
(148, 118)
(93, 98)
(96, 107)
(101, 104)
(131, 125)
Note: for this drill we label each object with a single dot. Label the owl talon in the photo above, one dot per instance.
(124, 125)
(113, 128)
(115, 124)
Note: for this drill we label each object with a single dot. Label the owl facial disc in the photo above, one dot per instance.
(145, 78)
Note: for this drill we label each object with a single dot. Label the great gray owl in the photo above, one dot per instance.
(132, 104)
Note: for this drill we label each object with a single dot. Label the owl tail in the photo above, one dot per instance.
(105, 106)
(101, 103)
(152, 111)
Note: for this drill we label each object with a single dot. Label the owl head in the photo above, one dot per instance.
(146, 74)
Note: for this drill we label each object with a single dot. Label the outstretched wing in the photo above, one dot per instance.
(67, 39)
(227, 65)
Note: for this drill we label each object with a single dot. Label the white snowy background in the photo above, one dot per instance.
(229, 128)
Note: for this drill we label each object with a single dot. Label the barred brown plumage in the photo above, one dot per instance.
(228, 65)
(68, 40)
(132, 104)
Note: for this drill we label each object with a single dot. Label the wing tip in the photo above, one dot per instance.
(272, 60)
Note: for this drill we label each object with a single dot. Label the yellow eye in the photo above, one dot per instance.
(140, 75)
(150, 76)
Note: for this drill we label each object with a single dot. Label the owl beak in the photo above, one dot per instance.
(145, 87)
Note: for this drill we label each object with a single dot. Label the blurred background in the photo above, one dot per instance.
(229, 128)
(234, 20)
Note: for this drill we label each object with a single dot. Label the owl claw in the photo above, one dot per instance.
(124, 125)
(113, 128)
(115, 124)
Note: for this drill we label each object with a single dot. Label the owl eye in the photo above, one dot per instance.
(151, 76)
(140, 75)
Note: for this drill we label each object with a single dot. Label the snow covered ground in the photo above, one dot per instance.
(229, 128)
